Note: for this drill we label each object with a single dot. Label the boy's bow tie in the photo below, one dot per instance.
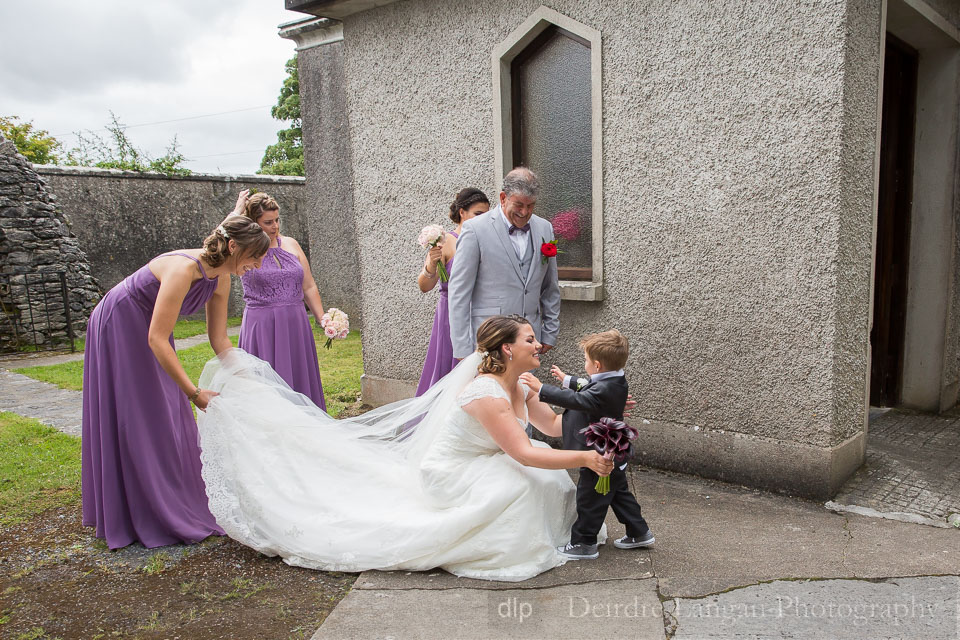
(522, 229)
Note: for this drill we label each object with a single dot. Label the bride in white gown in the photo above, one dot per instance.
(446, 480)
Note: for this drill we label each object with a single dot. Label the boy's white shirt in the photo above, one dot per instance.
(603, 375)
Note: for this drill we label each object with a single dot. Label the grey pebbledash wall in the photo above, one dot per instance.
(123, 219)
(738, 150)
(329, 176)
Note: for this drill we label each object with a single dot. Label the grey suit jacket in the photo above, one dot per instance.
(486, 281)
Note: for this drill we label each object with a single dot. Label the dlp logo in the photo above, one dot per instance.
(515, 609)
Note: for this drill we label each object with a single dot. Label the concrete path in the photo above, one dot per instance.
(729, 562)
(59, 408)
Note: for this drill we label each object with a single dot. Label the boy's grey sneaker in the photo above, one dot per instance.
(579, 551)
(626, 542)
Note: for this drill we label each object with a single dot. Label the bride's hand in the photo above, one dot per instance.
(598, 464)
(204, 399)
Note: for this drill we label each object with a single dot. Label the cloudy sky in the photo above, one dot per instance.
(66, 64)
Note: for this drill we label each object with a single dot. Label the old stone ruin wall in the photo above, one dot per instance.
(36, 247)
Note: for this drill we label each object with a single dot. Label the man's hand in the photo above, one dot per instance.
(545, 347)
(531, 381)
(557, 373)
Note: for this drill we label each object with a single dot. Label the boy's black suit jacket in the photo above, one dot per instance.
(601, 399)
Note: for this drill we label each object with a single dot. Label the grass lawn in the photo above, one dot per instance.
(39, 468)
(183, 329)
(340, 368)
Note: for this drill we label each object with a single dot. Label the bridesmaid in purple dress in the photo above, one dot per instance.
(275, 326)
(140, 460)
(469, 203)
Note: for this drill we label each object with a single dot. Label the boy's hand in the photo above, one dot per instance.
(557, 373)
(531, 381)
(631, 403)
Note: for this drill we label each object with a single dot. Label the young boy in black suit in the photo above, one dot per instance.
(604, 394)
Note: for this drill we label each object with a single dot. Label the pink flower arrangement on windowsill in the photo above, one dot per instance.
(567, 224)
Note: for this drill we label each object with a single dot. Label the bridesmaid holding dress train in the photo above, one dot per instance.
(467, 204)
(140, 473)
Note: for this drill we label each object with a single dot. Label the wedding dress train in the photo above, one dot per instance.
(413, 485)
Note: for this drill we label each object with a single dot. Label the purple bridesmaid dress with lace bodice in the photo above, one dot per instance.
(275, 325)
(140, 458)
(440, 360)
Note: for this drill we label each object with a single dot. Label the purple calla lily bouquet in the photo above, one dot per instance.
(610, 438)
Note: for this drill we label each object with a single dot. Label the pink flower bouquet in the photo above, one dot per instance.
(611, 439)
(335, 324)
(431, 236)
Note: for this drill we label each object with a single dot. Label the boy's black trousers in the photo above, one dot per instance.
(592, 507)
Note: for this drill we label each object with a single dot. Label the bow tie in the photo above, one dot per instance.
(522, 229)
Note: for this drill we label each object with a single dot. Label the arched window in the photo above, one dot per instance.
(549, 120)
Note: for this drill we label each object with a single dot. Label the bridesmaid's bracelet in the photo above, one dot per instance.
(193, 397)
(428, 274)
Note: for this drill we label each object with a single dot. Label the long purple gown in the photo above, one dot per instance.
(275, 325)
(440, 360)
(140, 458)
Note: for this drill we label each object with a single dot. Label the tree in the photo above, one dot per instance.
(120, 153)
(285, 158)
(39, 147)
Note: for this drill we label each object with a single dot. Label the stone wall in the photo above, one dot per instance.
(738, 150)
(123, 219)
(35, 245)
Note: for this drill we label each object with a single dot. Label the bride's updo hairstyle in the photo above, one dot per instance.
(495, 332)
(250, 239)
(258, 204)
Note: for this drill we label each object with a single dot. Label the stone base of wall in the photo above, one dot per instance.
(775, 465)
(377, 391)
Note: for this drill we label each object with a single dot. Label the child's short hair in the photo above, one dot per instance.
(609, 347)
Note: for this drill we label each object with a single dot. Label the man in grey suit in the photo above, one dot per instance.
(499, 268)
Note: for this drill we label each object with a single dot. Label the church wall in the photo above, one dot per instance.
(738, 154)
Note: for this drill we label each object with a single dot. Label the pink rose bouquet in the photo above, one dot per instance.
(431, 236)
(335, 324)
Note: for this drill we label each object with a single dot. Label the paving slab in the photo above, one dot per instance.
(613, 564)
(713, 536)
(915, 608)
(622, 609)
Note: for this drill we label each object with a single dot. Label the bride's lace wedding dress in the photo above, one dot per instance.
(413, 485)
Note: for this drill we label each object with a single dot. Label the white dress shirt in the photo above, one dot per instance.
(519, 239)
(603, 375)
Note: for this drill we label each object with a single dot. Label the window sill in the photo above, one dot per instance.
(583, 291)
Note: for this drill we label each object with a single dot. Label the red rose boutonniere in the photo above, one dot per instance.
(548, 250)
